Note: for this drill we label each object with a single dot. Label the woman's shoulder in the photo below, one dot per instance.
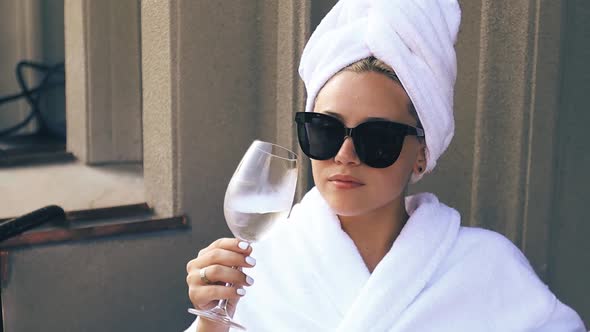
(490, 244)
(494, 260)
(508, 280)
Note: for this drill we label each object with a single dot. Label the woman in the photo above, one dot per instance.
(356, 254)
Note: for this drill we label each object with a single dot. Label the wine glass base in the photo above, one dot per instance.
(218, 317)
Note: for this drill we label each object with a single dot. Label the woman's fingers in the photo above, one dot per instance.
(220, 274)
(219, 264)
(227, 258)
(231, 244)
(203, 295)
(220, 252)
(218, 256)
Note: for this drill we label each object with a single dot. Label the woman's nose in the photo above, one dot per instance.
(347, 154)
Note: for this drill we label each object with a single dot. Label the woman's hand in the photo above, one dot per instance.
(218, 262)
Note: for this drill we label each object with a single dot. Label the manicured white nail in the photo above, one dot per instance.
(243, 245)
(250, 260)
(249, 280)
(241, 291)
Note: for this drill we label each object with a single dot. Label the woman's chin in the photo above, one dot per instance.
(347, 210)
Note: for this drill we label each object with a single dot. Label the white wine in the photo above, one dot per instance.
(251, 218)
(257, 226)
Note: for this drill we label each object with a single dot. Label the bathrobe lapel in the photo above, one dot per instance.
(403, 273)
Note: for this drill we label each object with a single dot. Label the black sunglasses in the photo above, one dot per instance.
(377, 143)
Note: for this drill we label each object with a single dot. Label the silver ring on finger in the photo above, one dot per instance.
(203, 275)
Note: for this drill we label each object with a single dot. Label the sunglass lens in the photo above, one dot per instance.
(378, 144)
(320, 136)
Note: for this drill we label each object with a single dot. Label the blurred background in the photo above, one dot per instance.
(132, 115)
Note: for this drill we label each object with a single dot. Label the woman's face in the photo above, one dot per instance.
(356, 98)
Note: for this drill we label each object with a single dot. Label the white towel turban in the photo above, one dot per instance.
(415, 37)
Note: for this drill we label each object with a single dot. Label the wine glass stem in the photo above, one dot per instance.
(222, 304)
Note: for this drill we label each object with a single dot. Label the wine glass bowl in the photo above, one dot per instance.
(261, 190)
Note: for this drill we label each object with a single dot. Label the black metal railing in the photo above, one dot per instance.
(16, 226)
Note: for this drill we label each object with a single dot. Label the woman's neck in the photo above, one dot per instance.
(374, 233)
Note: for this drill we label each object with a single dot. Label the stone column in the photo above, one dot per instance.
(103, 101)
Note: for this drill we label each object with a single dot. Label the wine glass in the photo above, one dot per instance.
(259, 194)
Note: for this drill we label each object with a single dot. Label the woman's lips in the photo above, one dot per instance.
(345, 181)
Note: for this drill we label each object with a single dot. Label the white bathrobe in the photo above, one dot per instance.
(438, 276)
